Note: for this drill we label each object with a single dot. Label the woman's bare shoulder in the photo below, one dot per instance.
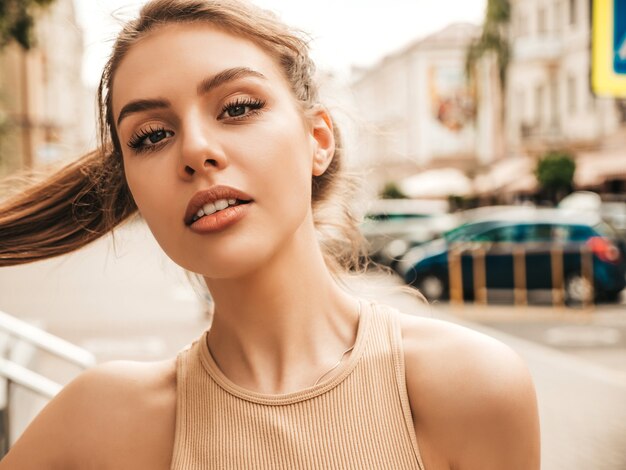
(110, 416)
(472, 397)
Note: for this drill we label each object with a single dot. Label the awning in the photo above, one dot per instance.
(509, 175)
(524, 184)
(437, 183)
(594, 168)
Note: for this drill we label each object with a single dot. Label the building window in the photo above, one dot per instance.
(572, 12)
(592, 102)
(540, 97)
(542, 22)
(554, 103)
(520, 23)
(571, 94)
(558, 16)
(518, 104)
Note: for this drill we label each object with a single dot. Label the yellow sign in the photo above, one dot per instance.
(608, 56)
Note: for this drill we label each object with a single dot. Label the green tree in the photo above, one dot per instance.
(555, 174)
(17, 21)
(493, 39)
(392, 191)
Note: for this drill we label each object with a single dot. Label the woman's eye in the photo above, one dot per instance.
(148, 138)
(235, 111)
(156, 136)
(241, 108)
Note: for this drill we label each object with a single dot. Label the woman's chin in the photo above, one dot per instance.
(224, 268)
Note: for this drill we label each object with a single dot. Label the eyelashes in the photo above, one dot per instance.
(148, 138)
(154, 137)
(237, 109)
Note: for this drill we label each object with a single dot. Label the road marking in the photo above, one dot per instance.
(582, 336)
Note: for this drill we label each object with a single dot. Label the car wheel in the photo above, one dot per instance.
(433, 286)
(577, 289)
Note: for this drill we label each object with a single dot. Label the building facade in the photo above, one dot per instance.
(549, 100)
(417, 112)
(43, 103)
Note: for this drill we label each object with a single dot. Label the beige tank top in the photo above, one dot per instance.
(356, 418)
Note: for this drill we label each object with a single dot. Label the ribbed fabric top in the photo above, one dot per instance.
(356, 418)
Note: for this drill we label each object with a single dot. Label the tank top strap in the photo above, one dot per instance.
(188, 368)
(388, 316)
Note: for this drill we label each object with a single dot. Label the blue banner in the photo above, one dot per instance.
(619, 36)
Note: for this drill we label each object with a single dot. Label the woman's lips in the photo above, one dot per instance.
(211, 195)
(220, 220)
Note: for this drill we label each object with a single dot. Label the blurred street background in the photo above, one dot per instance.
(491, 138)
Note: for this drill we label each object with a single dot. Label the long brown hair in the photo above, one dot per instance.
(89, 197)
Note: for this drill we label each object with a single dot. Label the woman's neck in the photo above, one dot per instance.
(282, 327)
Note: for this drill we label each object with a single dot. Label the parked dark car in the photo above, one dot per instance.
(535, 232)
(394, 232)
(615, 213)
(391, 226)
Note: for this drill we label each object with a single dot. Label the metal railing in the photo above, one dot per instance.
(479, 251)
(15, 373)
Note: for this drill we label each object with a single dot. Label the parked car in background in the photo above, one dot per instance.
(613, 212)
(392, 236)
(391, 226)
(536, 232)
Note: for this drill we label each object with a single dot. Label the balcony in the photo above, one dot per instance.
(545, 48)
(536, 139)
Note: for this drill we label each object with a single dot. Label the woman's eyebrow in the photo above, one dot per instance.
(141, 105)
(204, 87)
(227, 75)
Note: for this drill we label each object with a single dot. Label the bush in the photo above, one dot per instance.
(392, 191)
(555, 174)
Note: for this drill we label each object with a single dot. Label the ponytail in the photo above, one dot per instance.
(75, 206)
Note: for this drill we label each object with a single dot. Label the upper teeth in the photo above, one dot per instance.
(212, 207)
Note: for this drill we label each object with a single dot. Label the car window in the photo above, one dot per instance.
(553, 232)
(465, 231)
(561, 233)
(580, 233)
(536, 232)
(497, 235)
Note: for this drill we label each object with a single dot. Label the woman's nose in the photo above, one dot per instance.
(200, 150)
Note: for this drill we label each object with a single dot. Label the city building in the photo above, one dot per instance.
(417, 112)
(549, 100)
(44, 106)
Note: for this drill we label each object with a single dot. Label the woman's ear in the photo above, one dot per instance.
(324, 140)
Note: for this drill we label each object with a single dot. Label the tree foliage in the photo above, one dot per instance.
(392, 191)
(555, 173)
(17, 21)
(493, 38)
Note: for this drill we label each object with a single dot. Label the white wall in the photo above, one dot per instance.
(394, 100)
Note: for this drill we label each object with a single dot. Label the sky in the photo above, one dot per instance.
(345, 33)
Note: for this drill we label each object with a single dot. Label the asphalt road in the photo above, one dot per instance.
(131, 302)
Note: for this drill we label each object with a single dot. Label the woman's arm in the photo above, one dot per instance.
(117, 415)
(56, 438)
(473, 400)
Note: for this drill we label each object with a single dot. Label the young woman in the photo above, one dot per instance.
(212, 130)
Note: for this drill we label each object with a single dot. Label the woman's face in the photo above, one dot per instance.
(197, 109)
